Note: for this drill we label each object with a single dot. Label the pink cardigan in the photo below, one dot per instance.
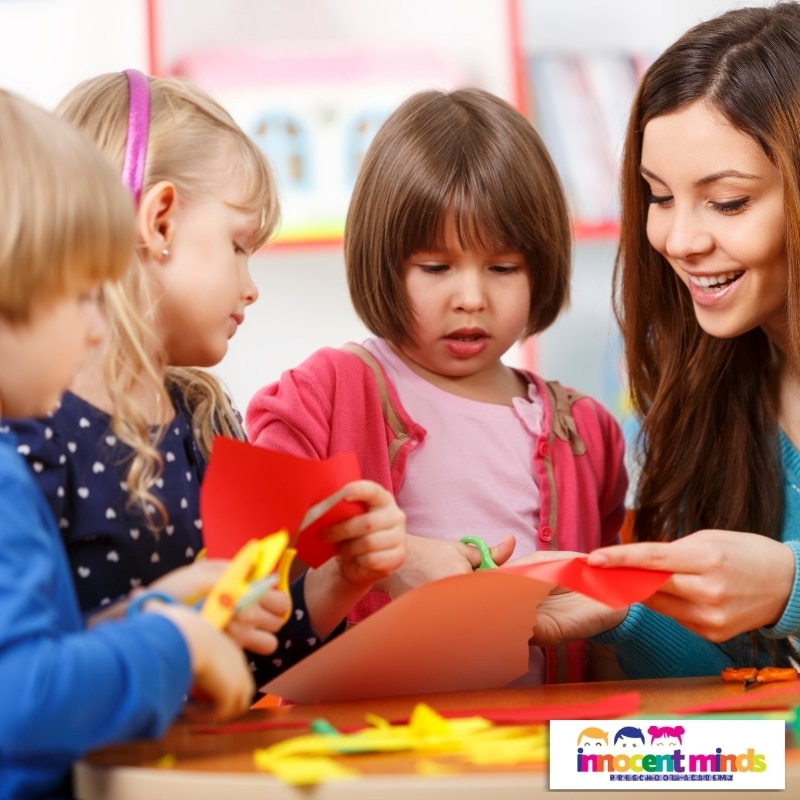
(332, 403)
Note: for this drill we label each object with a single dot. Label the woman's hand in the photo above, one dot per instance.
(723, 583)
(565, 615)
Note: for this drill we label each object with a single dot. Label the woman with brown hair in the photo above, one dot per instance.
(707, 294)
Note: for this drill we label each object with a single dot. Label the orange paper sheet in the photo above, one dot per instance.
(459, 633)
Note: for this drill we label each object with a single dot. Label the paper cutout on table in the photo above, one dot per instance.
(615, 586)
(249, 492)
(617, 705)
(455, 634)
(474, 740)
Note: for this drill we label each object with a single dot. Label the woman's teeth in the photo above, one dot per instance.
(714, 280)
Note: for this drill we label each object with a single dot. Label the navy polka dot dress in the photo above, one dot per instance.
(81, 467)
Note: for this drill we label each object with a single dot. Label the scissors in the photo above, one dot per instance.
(261, 565)
(752, 676)
(487, 562)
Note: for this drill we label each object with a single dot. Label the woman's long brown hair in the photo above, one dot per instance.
(708, 449)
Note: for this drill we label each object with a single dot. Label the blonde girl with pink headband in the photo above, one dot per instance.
(121, 460)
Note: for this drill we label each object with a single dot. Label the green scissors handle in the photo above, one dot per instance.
(487, 562)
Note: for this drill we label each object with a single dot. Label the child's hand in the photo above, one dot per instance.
(252, 629)
(368, 547)
(372, 545)
(189, 583)
(255, 627)
(431, 559)
(221, 673)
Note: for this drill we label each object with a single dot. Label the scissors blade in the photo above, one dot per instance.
(317, 511)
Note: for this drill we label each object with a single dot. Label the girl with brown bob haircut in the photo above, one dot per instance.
(707, 296)
(462, 152)
(457, 246)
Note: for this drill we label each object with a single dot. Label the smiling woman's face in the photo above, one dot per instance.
(716, 213)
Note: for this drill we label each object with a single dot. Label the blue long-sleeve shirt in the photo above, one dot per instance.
(650, 645)
(66, 689)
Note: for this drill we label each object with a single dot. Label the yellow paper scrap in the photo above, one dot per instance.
(508, 752)
(302, 771)
(433, 768)
(302, 760)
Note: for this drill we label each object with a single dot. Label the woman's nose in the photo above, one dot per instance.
(687, 235)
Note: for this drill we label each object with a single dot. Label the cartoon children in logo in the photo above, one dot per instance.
(592, 738)
(668, 736)
(628, 736)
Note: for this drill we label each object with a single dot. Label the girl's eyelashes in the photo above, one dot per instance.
(506, 269)
(433, 268)
(93, 295)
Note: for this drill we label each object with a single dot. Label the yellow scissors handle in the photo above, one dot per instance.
(284, 568)
(255, 561)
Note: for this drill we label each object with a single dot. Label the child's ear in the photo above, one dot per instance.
(156, 217)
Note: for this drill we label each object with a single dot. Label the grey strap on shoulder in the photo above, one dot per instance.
(563, 422)
(390, 414)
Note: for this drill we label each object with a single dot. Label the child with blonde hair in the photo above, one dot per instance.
(122, 459)
(457, 246)
(66, 226)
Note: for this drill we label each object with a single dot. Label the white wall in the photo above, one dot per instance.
(48, 45)
(643, 25)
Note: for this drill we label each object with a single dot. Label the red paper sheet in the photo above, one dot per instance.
(249, 492)
(750, 700)
(616, 705)
(614, 586)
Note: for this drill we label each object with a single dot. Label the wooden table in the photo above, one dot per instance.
(220, 765)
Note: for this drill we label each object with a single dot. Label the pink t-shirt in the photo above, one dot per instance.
(466, 442)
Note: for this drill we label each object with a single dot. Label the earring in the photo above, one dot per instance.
(165, 252)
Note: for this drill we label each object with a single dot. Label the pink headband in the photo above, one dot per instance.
(138, 130)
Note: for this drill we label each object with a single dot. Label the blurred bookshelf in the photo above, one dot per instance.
(579, 104)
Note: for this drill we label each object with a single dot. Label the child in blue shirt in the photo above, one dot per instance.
(66, 225)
